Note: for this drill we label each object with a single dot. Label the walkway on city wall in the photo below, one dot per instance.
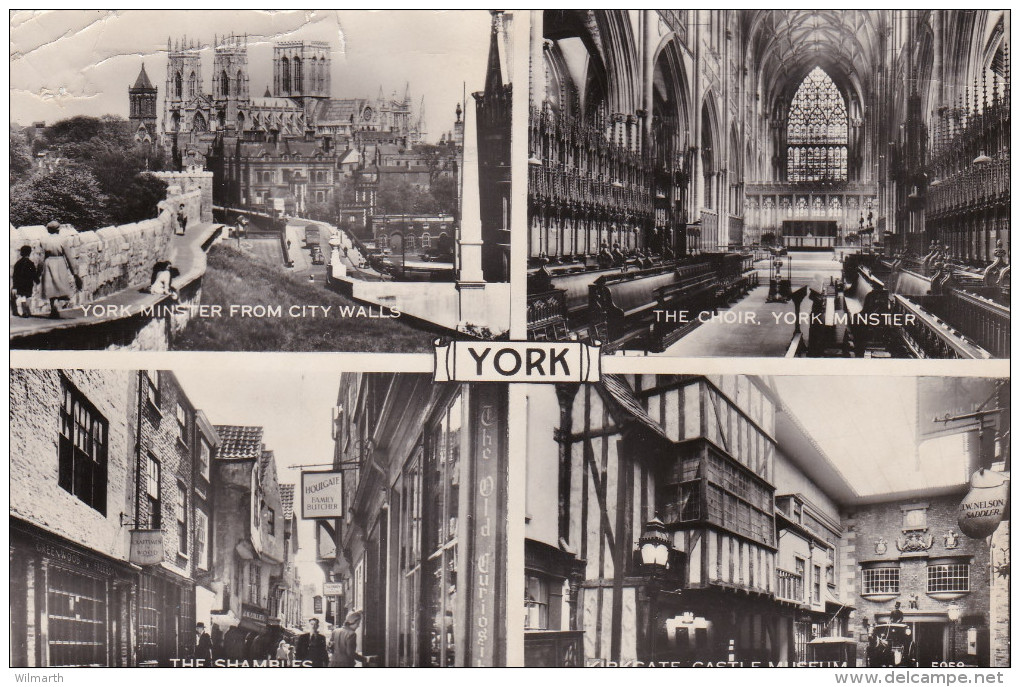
(749, 327)
(188, 255)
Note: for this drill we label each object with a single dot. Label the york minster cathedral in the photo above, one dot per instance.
(838, 178)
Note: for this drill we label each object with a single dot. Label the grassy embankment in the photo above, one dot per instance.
(234, 277)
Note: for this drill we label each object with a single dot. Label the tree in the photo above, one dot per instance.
(106, 147)
(70, 194)
(21, 157)
(395, 196)
(138, 200)
(444, 191)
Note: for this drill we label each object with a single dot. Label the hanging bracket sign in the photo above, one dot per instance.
(146, 547)
(322, 495)
(982, 509)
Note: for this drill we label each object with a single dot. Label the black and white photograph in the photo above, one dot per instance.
(328, 350)
(198, 519)
(254, 180)
(771, 183)
(750, 521)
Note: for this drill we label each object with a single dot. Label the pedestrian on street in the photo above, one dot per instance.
(203, 644)
(311, 646)
(345, 643)
(58, 270)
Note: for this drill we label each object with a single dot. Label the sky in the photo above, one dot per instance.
(295, 409)
(77, 62)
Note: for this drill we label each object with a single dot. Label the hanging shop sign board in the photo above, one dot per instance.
(332, 589)
(322, 495)
(146, 547)
(982, 508)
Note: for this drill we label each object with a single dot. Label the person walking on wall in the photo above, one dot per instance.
(58, 270)
(345, 643)
(23, 280)
(182, 218)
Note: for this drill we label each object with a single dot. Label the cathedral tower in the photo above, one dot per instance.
(142, 113)
(301, 72)
(230, 83)
(183, 88)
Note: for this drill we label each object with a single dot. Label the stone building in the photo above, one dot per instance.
(142, 114)
(248, 549)
(423, 550)
(102, 459)
(911, 554)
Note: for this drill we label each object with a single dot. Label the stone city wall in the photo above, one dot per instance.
(113, 258)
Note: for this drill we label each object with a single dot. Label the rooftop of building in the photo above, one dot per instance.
(239, 442)
(287, 498)
(142, 82)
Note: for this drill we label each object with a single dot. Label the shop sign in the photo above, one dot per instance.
(517, 361)
(253, 613)
(982, 508)
(940, 398)
(62, 554)
(488, 506)
(332, 588)
(146, 547)
(322, 495)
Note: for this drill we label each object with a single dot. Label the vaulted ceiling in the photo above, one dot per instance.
(784, 45)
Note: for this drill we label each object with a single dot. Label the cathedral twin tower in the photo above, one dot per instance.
(301, 80)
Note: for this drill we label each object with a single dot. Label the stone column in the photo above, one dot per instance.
(537, 71)
(648, 61)
(470, 282)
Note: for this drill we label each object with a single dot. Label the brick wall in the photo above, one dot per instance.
(866, 525)
(161, 436)
(999, 620)
(35, 495)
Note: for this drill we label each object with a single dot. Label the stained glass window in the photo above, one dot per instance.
(817, 131)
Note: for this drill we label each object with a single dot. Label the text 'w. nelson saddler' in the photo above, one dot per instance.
(517, 361)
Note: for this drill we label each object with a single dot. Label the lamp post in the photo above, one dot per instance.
(953, 613)
(653, 554)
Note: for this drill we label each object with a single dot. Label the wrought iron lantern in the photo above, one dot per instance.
(654, 545)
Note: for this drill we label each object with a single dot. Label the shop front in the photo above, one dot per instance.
(166, 617)
(70, 606)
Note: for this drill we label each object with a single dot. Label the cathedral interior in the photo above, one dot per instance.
(851, 165)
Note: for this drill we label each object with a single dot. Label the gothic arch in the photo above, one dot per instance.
(199, 122)
(285, 76)
(178, 85)
(670, 116)
(710, 158)
(192, 85)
